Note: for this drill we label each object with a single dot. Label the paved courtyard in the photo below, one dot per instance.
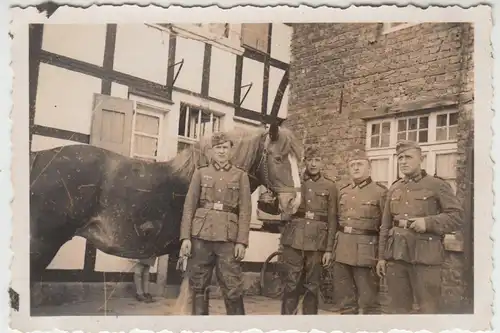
(254, 305)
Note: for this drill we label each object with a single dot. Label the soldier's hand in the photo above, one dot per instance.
(185, 248)
(239, 251)
(381, 264)
(418, 225)
(327, 259)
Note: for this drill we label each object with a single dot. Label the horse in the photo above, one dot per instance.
(132, 208)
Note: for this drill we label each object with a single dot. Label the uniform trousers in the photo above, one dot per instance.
(303, 277)
(356, 288)
(407, 283)
(205, 255)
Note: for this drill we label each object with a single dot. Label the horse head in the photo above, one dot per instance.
(278, 168)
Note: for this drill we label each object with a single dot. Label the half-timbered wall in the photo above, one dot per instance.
(153, 75)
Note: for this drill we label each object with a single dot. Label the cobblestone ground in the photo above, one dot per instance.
(254, 305)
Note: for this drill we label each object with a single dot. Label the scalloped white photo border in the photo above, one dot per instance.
(14, 157)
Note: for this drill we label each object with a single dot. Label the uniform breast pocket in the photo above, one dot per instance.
(322, 199)
(369, 209)
(207, 190)
(232, 193)
(425, 203)
(395, 203)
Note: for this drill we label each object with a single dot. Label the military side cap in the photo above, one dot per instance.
(220, 138)
(356, 153)
(312, 151)
(405, 145)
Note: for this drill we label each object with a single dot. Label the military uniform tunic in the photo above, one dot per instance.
(216, 215)
(415, 259)
(305, 238)
(360, 208)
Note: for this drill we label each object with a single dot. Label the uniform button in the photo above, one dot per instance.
(310, 190)
(354, 197)
(220, 179)
(407, 202)
(348, 218)
(219, 190)
(308, 200)
(406, 214)
(307, 222)
(218, 201)
(408, 191)
(350, 208)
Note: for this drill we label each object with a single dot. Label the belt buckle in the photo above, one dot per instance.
(218, 206)
(310, 215)
(348, 230)
(403, 224)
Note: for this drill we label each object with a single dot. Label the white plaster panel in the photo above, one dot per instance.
(281, 39)
(192, 51)
(261, 245)
(142, 51)
(283, 112)
(253, 72)
(119, 90)
(275, 76)
(65, 99)
(40, 142)
(83, 42)
(222, 72)
(108, 263)
(70, 256)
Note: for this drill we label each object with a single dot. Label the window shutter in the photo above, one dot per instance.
(112, 123)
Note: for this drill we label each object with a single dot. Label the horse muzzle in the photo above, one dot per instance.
(289, 202)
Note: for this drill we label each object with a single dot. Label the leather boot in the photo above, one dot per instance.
(200, 304)
(289, 303)
(235, 306)
(310, 304)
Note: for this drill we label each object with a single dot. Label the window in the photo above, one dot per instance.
(414, 129)
(255, 36)
(127, 127)
(395, 26)
(146, 133)
(436, 132)
(194, 123)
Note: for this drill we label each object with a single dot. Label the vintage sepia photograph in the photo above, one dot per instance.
(272, 168)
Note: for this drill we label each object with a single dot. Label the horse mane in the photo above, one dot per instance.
(246, 145)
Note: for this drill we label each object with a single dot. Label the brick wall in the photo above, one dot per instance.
(341, 73)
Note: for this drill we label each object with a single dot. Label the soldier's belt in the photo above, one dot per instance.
(311, 216)
(219, 207)
(354, 231)
(402, 223)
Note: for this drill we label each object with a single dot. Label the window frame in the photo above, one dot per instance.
(188, 140)
(388, 27)
(153, 111)
(430, 149)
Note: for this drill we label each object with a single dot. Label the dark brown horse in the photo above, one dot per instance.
(131, 208)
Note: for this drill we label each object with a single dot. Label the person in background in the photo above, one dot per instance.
(215, 228)
(307, 239)
(419, 210)
(360, 208)
(141, 279)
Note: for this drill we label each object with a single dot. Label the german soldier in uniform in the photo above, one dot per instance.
(308, 238)
(215, 228)
(360, 208)
(419, 211)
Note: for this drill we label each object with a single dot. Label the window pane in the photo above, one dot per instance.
(145, 145)
(375, 129)
(412, 123)
(182, 121)
(182, 145)
(112, 125)
(380, 170)
(453, 118)
(386, 127)
(255, 35)
(446, 165)
(374, 141)
(423, 165)
(422, 136)
(424, 122)
(402, 125)
(412, 136)
(402, 136)
(441, 120)
(452, 135)
(385, 140)
(147, 124)
(440, 134)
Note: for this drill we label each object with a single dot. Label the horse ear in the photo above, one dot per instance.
(274, 131)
